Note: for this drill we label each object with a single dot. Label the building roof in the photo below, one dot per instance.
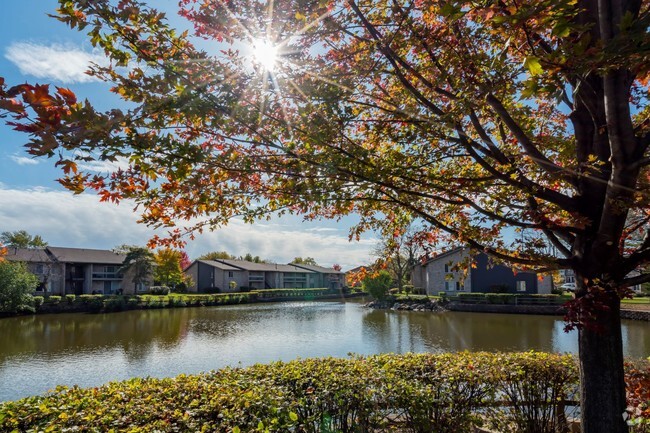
(358, 268)
(82, 255)
(218, 265)
(316, 268)
(442, 255)
(262, 267)
(28, 255)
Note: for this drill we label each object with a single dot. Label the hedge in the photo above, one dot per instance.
(523, 392)
(291, 293)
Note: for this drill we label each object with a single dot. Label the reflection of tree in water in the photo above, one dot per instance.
(454, 331)
(378, 328)
(222, 322)
(490, 332)
(135, 332)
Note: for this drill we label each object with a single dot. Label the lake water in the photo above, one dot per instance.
(39, 352)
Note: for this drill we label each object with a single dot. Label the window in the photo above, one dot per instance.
(521, 286)
(449, 286)
(231, 274)
(460, 287)
(39, 269)
(448, 267)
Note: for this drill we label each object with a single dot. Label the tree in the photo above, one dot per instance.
(250, 258)
(138, 263)
(399, 251)
(377, 285)
(185, 261)
(215, 255)
(22, 239)
(506, 126)
(168, 270)
(304, 261)
(16, 286)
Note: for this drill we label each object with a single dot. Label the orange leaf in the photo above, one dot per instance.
(67, 94)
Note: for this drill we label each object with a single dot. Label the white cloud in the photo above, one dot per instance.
(63, 63)
(68, 220)
(23, 160)
(104, 166)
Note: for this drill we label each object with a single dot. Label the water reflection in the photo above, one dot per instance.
(37, 353)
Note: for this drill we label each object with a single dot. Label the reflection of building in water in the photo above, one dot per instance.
(457, 331)
(134, 332)
(636, 342)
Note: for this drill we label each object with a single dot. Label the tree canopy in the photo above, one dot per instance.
(518, 128)
(167, 271)
(398, 252)
(304, 261)
(138, 264)
(21, 239)
(16, 286)
(217, 255)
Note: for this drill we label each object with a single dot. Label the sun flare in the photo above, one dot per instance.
(265, 54)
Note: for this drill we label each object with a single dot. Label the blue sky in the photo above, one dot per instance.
(35, 48)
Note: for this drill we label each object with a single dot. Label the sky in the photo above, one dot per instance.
(36, 48)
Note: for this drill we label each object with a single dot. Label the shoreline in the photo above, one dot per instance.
(100, 304)
(429, 305)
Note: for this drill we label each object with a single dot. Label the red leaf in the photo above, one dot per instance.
(68, 96)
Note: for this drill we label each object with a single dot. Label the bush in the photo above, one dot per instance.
(53, 299)
(442, 393)
(499, 288)
(500, 298)
(159, 290)
(70, 299)
(90, 299)
(377, 285)
(16, 286)
(181, 287)
(117, 303)
(37, 301)
(408, 288)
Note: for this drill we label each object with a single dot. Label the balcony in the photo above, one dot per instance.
(106, 276)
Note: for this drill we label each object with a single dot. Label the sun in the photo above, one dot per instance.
(265, 53)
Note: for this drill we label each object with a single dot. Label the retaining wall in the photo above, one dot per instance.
(552, 310)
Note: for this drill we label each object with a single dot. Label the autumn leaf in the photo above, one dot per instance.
(533, 65)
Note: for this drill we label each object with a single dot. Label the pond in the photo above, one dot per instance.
(38, 353)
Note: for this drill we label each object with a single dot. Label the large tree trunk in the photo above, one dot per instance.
(602, 381)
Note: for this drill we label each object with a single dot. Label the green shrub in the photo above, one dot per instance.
(499, 288)
(16, 285)
(90, 299)
(500, 298)
(116, 303)
(53, 299)
(408, 288)
(70, 299)
(441, 393)
(159, 290)
(37, 301)
(377, 285)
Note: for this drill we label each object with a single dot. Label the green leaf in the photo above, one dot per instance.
(561, 29)
(532, 64)
(293, 416)
(236, 429)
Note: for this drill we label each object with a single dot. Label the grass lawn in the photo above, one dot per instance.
(645, 300)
